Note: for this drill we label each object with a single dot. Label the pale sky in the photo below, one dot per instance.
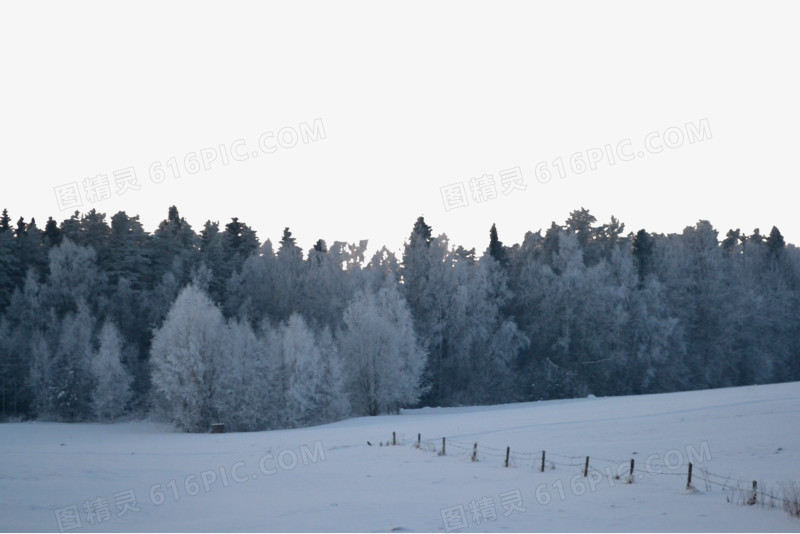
(396, 102)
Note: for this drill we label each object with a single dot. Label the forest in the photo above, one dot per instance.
(101, 319)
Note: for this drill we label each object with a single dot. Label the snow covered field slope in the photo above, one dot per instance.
(147, 477)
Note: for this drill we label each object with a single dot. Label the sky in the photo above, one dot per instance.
(346, 121)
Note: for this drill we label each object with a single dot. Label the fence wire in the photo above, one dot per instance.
(516, 458)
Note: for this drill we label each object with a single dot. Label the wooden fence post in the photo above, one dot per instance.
(474, 452)
(689, 481)
(754, 499)
(419, 440)
(586, 468)
(394, 439)
(508, 452)
(630, 480)
(443, 445)
(542, 461)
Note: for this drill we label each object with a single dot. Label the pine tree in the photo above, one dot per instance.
(496, 248)
(643, 254)
(731, 243)
(289, 246)
(239, 242)
(9, 265)
(173, 247)
(5, 222)
(126, 250)
(775, 243)
(320, 246)
(288, 277)
(212, 254)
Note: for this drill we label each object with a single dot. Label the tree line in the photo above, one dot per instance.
(101, 319)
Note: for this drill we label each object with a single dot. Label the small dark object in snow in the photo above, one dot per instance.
(370, 444)
(63, 444)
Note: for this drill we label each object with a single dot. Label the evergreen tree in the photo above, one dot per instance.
(212, 255)
(5, 222)
(52, 233)
(496, 248)
(126, 252)
(239, 242)
(643, 254)
(289, 246)
(9, 263)
(775, 243)
(288, 278)
(174, 247)
(425, 281)
(732, 242)
(320, 247)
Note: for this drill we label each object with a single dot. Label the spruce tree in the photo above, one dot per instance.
(775, 243)
(643, 254)
(496, 248)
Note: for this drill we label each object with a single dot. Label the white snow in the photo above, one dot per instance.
(339, 483)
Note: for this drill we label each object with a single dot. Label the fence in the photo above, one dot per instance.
(626, 469)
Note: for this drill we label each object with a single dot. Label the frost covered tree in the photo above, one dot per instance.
(306, 369)
(331, 396)
(52, 323)
(39, 377)
(69, 377)
(245, 393)
(112, 381)
(383, 358)
(326, 287)
(251, 292)
(427, 282)
(9, 263)
(457, 303)
(184, 360)
(574, 309)
(288, 278)
(74, 277)
(483, 341)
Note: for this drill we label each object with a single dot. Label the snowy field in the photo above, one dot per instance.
(144, 476)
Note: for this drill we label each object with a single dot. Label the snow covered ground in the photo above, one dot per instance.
(144, 476)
